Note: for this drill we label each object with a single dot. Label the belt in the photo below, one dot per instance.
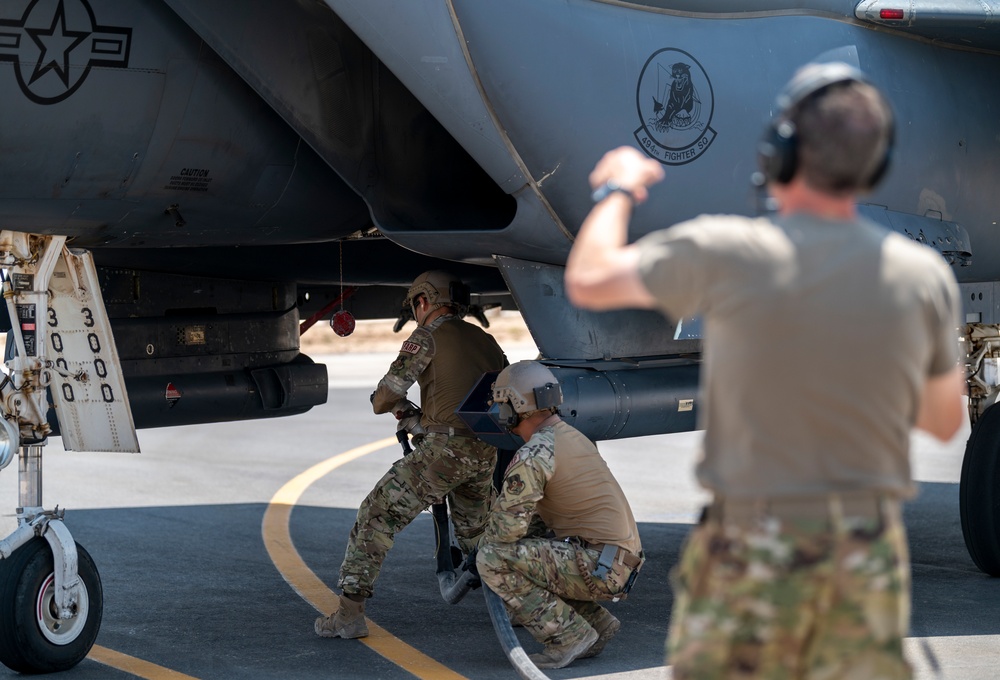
(825, 507)
(623, 556)
(450, 431)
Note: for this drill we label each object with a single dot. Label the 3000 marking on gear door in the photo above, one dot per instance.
(87, 387)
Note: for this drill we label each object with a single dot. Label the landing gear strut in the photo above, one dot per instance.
(51, 600)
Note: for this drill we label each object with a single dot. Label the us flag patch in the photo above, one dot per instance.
(410, 347)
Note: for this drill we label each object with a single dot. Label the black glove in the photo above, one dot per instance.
(405, 314)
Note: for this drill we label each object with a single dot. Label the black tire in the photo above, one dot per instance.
(32, 640)
(979, 492)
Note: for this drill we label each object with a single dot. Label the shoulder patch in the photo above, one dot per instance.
(515, 485)
(410, 347)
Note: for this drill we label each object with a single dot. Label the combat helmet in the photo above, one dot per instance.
(522, 389)
(441, 288)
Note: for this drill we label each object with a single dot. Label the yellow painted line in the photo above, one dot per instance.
(130, 664)
(310, 588)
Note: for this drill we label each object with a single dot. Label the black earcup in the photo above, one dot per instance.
(777, 152)
(507, 414)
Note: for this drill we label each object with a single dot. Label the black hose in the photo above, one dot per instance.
(505, 633)
(453, 586)
(442, 538)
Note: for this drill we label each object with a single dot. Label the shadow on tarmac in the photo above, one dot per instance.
(192, 589)
(951, 597)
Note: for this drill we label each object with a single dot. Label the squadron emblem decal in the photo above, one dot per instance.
(54, 45)
(675, 102)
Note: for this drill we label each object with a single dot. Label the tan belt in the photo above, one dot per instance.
(450, 431)
(833, 508)
(623, 557)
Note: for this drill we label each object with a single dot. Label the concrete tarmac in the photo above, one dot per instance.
(181, 536)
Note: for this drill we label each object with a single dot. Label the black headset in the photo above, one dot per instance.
(777, 153)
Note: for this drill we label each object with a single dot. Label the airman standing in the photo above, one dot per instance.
(827, 338)
(446, 356)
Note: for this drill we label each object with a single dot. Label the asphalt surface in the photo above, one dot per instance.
(191, 589)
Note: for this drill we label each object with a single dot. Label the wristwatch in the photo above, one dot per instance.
(608, 188)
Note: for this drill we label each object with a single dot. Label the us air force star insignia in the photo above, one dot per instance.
(54, 45)
(514, 485)
(675, 103)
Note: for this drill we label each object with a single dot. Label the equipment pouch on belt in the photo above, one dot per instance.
(629, 583)
(606, 562)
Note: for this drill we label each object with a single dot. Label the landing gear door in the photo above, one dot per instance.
(86, 385)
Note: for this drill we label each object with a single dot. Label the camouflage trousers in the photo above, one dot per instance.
(544, 583)
(457, 468)
(803, 599)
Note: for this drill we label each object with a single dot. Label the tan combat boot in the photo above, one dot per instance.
(606, 626)
(560, 656)
(347, 622)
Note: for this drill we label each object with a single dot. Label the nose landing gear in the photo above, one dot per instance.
(60, 348)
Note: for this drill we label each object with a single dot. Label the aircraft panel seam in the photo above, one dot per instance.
(531, 181)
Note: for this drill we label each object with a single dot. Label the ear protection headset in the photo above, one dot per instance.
(506, 415)
(777, 153)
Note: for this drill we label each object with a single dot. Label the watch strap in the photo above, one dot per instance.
(609, 188)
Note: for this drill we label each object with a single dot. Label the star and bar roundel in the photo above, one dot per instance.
(54, 45)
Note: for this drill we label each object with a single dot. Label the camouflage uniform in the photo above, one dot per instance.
(793, 598)
(547, 582)
(445, 357)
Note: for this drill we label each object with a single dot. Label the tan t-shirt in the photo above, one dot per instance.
(446, 358)
(560, 476)
(818, 339)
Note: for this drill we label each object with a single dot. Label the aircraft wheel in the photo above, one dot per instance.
(979, 492)
(32, 638)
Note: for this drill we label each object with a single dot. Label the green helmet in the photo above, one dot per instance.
(440, 288)
(523, 388)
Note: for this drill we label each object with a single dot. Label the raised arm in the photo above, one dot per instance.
(602, 271)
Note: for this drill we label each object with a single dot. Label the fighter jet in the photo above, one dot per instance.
(185, 185)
